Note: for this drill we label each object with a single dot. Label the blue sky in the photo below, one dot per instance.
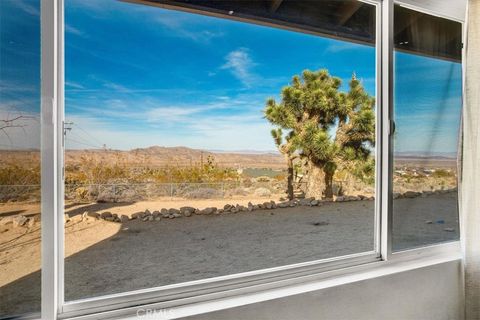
(138, 76)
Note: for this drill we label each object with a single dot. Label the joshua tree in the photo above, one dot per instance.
(328, 128)
(287, 149)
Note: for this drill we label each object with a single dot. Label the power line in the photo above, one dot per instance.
(86, 141)
(82, 143)
(88, 134)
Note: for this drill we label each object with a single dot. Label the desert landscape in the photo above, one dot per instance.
(142, 217)
(159, 233)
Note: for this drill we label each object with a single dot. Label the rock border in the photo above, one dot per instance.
(173, 213)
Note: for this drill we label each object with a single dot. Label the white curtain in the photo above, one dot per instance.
(470, 196)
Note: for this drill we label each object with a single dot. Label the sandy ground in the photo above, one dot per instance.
(104, 257)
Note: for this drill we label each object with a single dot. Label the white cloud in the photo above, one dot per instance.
(28, 8)
(226, 123)
(72, 30)
(74, 85)
(181, 27)
(12, 86)
(240, 65)
(218, 133)
(116, 87)
(339, 46)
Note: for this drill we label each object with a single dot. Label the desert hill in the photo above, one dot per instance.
(154, 156)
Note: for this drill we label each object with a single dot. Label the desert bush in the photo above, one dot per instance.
(19, 183)
(14, 174)
(204, 193)
(262, 192)
(442, 173)
(91, 171)
(237, 192)
(263, 179)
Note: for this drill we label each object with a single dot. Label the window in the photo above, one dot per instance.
(428, 101)
(205, 146)
(19, 157)
(170, 117)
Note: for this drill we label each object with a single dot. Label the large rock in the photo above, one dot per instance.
(94, 215)
(19, 221)
(138, 215)
(208, 211)
(105, 215)
(306, 201)
(283, 204)
(411, 194)
(351, 198)
(173, 211)
(76, 218)
(30, 223)
(187, 211)
(164, 212)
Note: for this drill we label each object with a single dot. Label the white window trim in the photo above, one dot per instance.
(203, 291)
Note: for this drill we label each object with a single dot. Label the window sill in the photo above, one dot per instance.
(399, 262)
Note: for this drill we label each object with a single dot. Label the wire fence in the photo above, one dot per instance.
(143, 191)
(25, 193)
(125, 192)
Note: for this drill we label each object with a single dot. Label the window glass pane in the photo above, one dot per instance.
(20, 260)
(169, 141)
(428, 90)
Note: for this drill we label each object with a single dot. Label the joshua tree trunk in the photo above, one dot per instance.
(328, 184)
(290, 177)
(315, 181)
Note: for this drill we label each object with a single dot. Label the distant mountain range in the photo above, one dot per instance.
(157, 156)
(426, 155)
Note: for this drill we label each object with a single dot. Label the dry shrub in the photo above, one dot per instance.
(18, 175)
(204, 193)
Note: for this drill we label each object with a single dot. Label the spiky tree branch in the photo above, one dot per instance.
(311, 109)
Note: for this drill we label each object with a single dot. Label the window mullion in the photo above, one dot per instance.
(386, 97)
(49, 160)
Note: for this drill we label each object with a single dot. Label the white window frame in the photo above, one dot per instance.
(53, 302)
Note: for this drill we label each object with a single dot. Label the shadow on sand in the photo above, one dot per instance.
(146, 254)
